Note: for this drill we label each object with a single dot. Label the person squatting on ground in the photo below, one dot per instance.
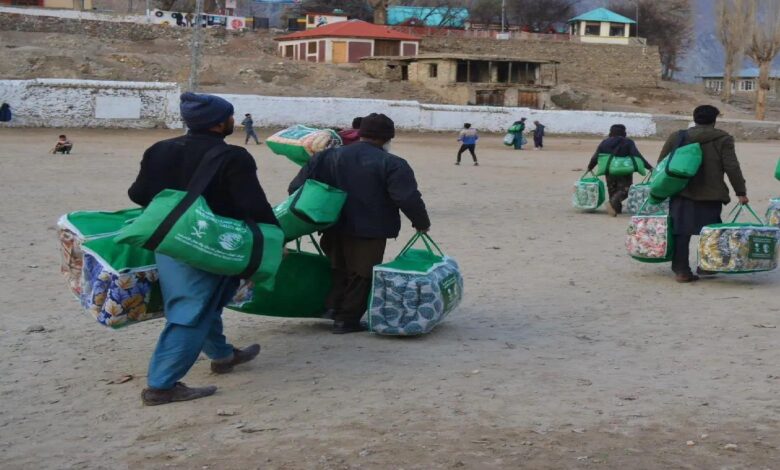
(619, 145)
(378, 185)
(517, 129)
(63, 145)
(702, 201)
(538, 135)
(350, 136)
(468, 139)
(193, 298)
(249, 129)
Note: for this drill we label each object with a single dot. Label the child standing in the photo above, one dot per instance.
(468, 139)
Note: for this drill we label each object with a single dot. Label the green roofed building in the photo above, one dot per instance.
(602, 26)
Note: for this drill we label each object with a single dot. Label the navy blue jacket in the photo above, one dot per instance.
(378, 185)
(619, 147)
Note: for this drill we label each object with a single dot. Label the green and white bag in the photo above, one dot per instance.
(181, 225)
(736, 248)
(777, 170)
(611, 165)
(638, 194)
(649, 237)
(299, 143)
(415, 292)
(674, 172)
(589, 193)
(312, 208)
(300, 288)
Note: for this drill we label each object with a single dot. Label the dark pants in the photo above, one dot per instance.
(250, 133)
(617, 187)
(538, 141)
(352, 261)
(470, 148)
(682, 251)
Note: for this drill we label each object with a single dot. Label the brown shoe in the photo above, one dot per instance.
(611, 210)
(240, 356)
(179, 392)
(685, 278)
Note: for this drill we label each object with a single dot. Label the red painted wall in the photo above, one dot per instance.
(358, 50)
(321, 51)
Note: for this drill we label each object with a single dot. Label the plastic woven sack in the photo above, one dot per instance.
(415, 292)
(301, 286)
(673, 173)
(509, 140)
(638, 194)
(312, 208)
(204, 240)
(773, 213)
(589, 193)
(75, 228)
(735, 248)
(649, 237)
(299, 143)
(619, 166)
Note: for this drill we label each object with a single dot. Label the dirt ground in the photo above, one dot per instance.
(564, 354)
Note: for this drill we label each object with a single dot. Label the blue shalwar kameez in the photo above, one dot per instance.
(193, 311)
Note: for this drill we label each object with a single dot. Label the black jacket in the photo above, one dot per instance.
(234, 192)
(377, 184)
(619, 147)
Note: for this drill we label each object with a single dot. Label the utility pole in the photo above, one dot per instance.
(503, 16)
(637, 17)
(195, 47)
(148, 11)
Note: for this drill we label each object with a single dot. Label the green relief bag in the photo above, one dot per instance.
(610, 165)
(298, 143)
(301, 286)
(589, 193)
(672, 175)
(777, 170)
(181, 225)
(312, 208)
(738, 248)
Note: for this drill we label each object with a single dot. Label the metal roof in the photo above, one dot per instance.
(350, 29)
(751, 72)
(602, 15)
(445, 56)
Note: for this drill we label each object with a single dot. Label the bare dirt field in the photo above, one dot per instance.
(564, 354)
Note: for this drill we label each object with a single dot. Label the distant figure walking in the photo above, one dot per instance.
(63, 145)
(468, 139)
(517, 129)
(249, 129)
(5, 112)
(538, 136)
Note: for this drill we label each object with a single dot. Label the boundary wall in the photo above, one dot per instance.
(128, 105)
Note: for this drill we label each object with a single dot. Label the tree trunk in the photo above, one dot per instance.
(727, 83)
(380, 13)
(763, 88)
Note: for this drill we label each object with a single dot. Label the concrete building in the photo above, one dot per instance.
(473, 79)
(62, 4)
(601, 26)
(317, 20)
(745, 81)
(347, 42)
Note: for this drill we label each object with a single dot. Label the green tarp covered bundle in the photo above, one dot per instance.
(735, 248)
(675, 171)
(777, 170)
(116, 284)
(589, 193)
(181, 225)
(301, 286)
(312, 208)
(299, 143)
(415, 292)
(612, 165)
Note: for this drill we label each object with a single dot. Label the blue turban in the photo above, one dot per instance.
(201, 112)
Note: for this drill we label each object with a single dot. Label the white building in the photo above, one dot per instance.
(601, 26)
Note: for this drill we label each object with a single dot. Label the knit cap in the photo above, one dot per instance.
(201, 112)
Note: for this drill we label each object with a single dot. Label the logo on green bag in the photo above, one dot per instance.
(762, 247)
(450, 291)
(199, 230)
(231, 241)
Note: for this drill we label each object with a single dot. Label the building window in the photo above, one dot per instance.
(433, 70)
(312, 47)
(310, 19)
(714, 85)
(592, 29)
(747, 85)
(617, 30)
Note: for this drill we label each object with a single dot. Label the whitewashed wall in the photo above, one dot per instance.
(75, 14)
(273, 111)
(91, 103)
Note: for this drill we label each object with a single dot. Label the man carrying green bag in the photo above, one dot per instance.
(311, 208)
(701, 201)
(221, 184)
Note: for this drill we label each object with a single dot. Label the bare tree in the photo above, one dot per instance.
(540, 15)
(667, 24)
(764, 47)
(735, 21)
(485, 11)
